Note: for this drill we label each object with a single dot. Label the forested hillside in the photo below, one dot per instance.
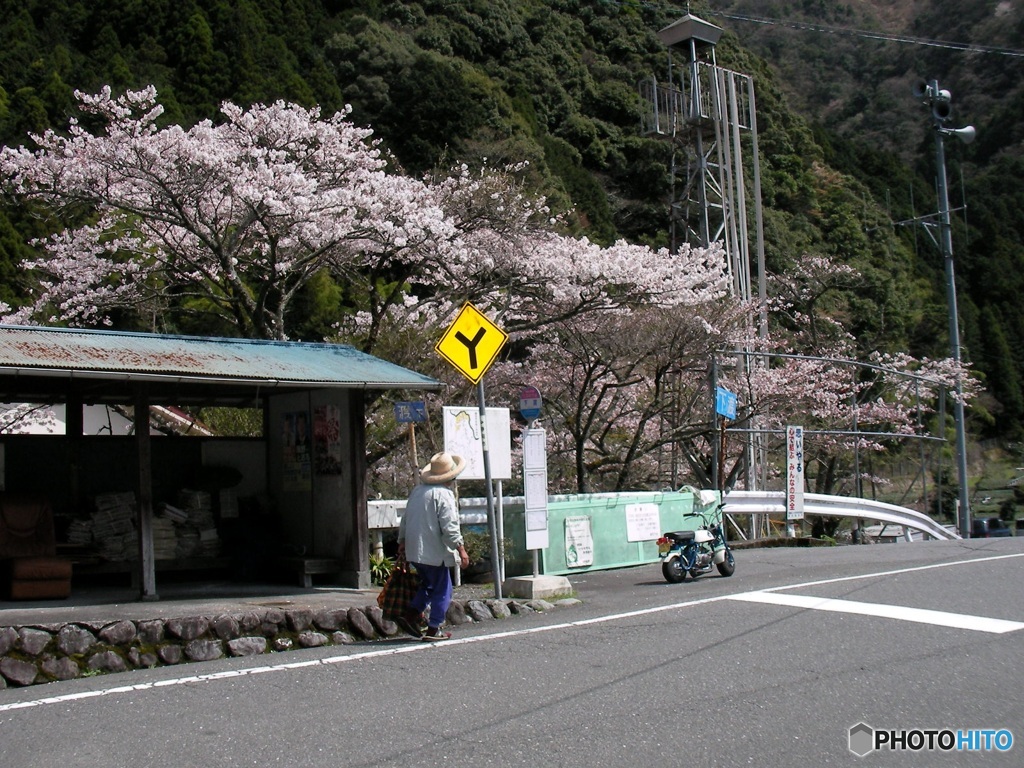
(850, 67)
(554, 84)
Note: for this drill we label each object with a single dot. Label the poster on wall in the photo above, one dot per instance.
(643, 522)
(579, 542)
(327, 439)
(297, 457)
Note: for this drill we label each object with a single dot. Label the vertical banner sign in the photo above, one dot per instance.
(794, 473)
(327, 447)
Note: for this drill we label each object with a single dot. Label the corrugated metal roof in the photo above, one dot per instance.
(121, 355)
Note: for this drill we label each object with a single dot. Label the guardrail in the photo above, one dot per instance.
(774, 502)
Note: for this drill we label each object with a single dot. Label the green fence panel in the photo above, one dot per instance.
(593, 532)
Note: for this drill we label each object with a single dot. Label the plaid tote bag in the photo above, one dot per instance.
(400, 588)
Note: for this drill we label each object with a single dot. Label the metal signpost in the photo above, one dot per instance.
(725, 409)
(471, 344)
(938, 99)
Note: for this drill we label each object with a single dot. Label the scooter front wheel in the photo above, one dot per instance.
(728, 566)
(673, 571)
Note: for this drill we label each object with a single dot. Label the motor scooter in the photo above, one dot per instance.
(698, 551)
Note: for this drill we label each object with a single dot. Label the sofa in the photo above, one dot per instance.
(28, 550)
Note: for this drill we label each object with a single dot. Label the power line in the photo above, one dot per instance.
(803, 25)
(847, 31)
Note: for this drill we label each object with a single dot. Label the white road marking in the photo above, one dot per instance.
(901, 612)
(425, 647)
(897, 571)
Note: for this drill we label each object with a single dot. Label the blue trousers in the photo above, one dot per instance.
(435, 590)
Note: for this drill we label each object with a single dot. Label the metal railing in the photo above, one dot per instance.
(774, 502)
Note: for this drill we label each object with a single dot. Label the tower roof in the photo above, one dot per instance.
(690, 27)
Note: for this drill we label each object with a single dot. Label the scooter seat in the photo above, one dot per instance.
(679, 535)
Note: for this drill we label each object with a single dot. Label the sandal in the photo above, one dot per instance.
(433, 634)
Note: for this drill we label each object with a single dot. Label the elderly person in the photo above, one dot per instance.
(430, 538)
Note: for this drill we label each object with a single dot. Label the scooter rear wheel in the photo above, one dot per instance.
(673, 571)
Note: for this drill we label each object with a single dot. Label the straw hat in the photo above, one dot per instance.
(442, 468)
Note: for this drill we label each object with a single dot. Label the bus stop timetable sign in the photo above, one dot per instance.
(471, 343)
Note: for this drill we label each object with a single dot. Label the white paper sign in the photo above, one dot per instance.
(643, 522)
(579, 542)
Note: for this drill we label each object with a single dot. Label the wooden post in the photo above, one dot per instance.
(144, 451)
(415, 459)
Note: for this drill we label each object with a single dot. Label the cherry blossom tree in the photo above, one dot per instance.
(229, 220)
(232, 219)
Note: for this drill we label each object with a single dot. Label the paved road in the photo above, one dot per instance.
(768, 668)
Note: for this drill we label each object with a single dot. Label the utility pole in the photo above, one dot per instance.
(939, 102)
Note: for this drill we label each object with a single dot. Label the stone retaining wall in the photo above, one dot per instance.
(42, 653)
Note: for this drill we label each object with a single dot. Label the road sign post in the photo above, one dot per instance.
(535, 492)
(725, 409)
(471, 344)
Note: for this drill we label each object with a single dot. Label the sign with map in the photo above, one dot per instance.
(462, 437)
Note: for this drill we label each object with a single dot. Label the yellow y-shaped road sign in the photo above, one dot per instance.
(471, 343)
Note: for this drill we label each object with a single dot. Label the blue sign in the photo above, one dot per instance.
(406, 411)
(725, 403)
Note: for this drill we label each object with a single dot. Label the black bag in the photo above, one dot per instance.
(401, 587)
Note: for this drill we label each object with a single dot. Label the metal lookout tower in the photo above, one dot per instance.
(706, 111)
(709, 114)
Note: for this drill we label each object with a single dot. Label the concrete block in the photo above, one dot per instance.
(536, 587)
